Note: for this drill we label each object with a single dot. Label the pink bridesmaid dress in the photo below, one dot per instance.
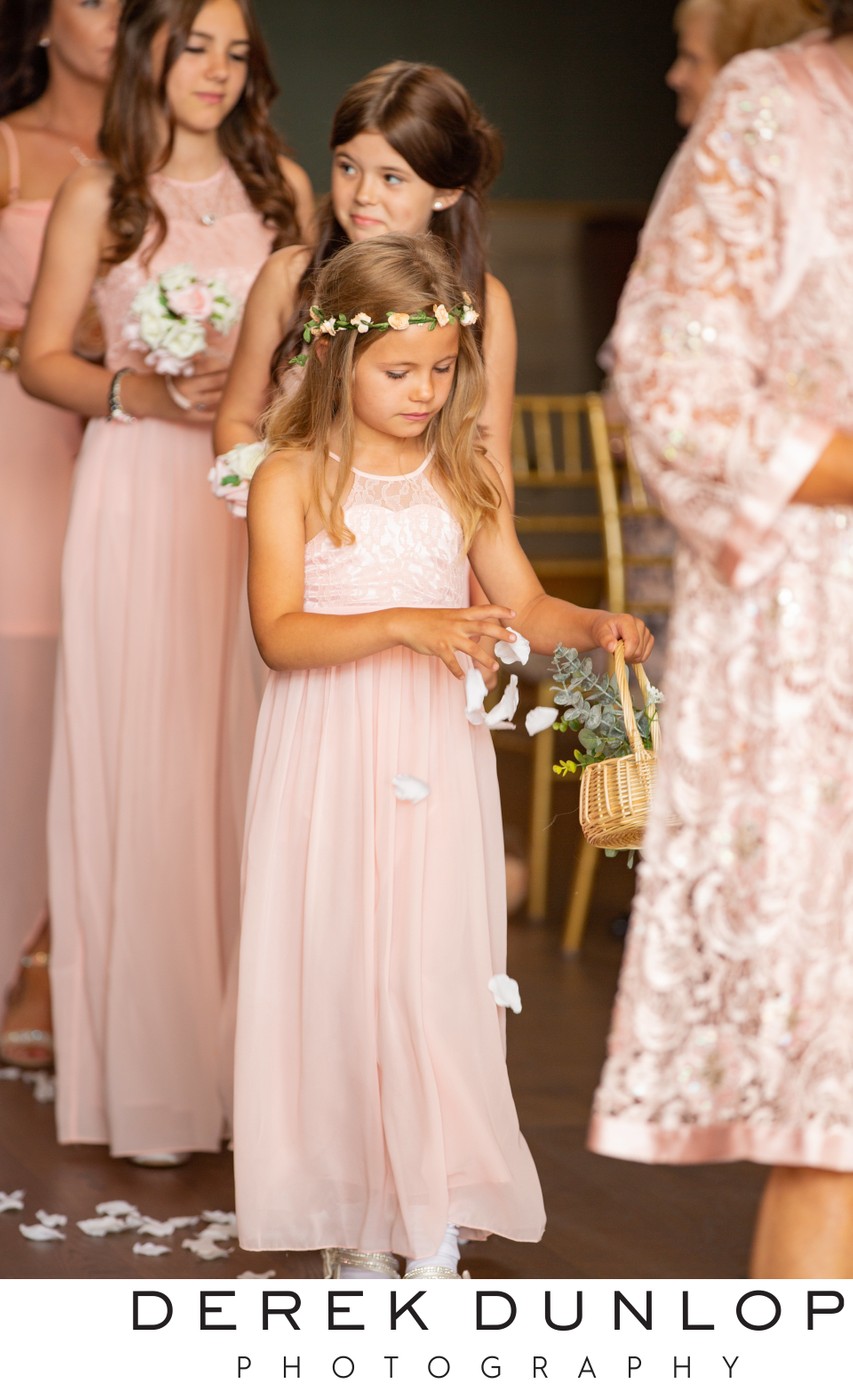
(372, 1102)
(156, 708)
(36, 460)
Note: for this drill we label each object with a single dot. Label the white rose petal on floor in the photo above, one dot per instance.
(37, 1233)
(505, 991)
(116, 1207)
(409, 789)
(51, 1220)
(205, 1249)
(540, 719)
(101, 1227)
(255, 1275)
(15, 1201)
(150, 1249)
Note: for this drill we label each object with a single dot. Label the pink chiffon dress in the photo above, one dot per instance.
(155, 714)
(372, 1101)
(36, 457)
(732, 1036)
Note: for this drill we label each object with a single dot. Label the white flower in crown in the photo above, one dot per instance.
(468, 317)
(328, 327)
(178, 277)
(442, 317)
(362, 321)
(398, 321)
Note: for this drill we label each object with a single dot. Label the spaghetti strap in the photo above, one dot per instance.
(14, 160)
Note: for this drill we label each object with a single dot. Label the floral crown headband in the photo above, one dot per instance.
(317, 326)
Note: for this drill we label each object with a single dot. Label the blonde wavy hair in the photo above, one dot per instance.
(387, 274)
(739, 25)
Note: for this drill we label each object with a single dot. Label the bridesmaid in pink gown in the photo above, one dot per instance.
(53, 74)
(156, 703)
(373, 1113)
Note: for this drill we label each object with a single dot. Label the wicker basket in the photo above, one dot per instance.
(615, 794)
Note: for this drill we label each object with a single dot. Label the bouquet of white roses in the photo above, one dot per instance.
(170, 315)
(231, 473)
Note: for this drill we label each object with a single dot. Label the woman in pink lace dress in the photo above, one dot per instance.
(155, 701)
(54, 63)
(732, 1035)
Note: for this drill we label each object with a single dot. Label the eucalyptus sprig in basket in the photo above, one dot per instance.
(618, 749)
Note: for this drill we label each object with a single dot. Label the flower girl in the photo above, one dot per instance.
(373, 1114)
(155, 698)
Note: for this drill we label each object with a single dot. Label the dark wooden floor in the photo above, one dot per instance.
(605, 1218)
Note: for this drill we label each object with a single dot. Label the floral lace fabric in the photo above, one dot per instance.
(732, 1033)
(407, 551)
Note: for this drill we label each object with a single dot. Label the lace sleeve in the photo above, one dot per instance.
(720, 439)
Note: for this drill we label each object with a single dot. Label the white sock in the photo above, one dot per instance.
(446, 1256)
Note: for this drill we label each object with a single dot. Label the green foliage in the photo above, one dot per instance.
(593, 709)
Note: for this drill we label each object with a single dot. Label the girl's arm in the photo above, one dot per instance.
(508, 578)
(290, 638)
(500, 355)
(265, 318)
(71, 257)
(298, 180)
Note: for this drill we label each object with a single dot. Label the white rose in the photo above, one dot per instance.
(329, 327)
(184, 340)
(148, 300)
(152, 328)
(242, 460)
(362, 321)
(178, 277)
(469, 317)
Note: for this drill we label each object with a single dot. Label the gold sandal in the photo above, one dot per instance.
(435, 1272)
(35, 1036)
(383, 1263)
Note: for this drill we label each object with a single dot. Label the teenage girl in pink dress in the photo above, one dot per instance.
(155, 699)
(54, 63)
(373, 1112)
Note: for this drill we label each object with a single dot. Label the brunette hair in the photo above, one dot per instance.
(23, 63)
(130, 139)
(429, 118)
(392, 273)
(840, 17)
(740, 25)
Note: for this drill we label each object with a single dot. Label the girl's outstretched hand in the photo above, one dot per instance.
(444, 631)
(608, 628)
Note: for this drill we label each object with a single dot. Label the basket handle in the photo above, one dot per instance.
(631, 729)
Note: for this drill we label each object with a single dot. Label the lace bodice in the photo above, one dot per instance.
(213, 227)
(407, 552)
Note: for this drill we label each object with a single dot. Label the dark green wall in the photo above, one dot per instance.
(575, 86)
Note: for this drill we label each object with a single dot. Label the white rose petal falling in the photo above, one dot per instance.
(515, 652)
(540, 719)
(505, 991)
(409, 788)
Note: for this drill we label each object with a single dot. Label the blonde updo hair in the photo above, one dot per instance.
(387, 274)
(740, 25)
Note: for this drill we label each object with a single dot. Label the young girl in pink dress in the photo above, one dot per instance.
(373, 1114)
(155, 699)
(54, 63)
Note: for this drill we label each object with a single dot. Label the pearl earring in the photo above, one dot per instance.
(437, 206)
(44, 43)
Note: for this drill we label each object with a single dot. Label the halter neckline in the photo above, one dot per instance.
(382, 477)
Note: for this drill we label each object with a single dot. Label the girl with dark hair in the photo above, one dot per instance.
(155, 697)
(411, 153)
(54, 60)
(733, 361)
(373, 1113)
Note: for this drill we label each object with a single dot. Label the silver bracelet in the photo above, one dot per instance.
(115, 413)
(175, 395)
